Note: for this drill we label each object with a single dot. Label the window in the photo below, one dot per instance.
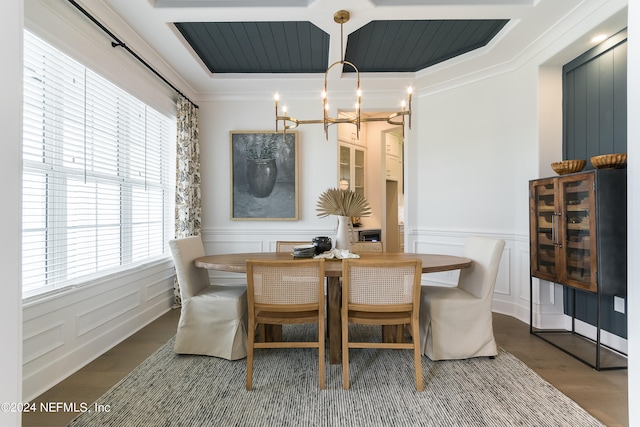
(98, 174)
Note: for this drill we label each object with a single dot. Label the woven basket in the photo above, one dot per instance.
(616, 161)
(568, 166)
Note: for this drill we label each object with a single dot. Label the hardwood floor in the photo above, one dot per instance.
(603, 394)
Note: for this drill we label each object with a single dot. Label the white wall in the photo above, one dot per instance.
(470, 159)
(316, 157)
(633, 150)
(10, 176)
(317, 170)
(475, 147)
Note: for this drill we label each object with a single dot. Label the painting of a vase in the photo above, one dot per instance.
(264, 175)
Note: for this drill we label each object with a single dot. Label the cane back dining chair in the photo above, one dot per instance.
(381, 292)
(275, 333)
(456, 322)
(213, 318)
(360, 247)
(287, 246)
(285, 292)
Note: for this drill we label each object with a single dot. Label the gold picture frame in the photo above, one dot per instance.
(264, 175)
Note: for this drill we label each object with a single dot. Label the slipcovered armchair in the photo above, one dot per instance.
(456, 323)
(213, 318)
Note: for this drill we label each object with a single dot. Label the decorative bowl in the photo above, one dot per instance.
(568, 166)
(616, 161)
(304, 251)
(322, 244)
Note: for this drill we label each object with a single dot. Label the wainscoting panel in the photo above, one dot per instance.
(42, 342)
(64, 331)
(103, 310)
(437, 245)
(155, 288)
(503, 280)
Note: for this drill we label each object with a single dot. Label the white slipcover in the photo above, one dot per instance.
(213, 318)
(456, 323)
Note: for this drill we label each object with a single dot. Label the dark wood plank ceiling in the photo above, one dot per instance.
(400, 46)
(301, 47)
(258, 47)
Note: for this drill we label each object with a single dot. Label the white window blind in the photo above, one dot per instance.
(98, 174)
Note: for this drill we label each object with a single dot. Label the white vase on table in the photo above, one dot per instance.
(343, 239)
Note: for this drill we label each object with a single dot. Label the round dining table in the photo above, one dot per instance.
(236, 263)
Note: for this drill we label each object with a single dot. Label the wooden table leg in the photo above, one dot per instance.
(273, 333)
(334, 327)
(388, 333)
(393, 333)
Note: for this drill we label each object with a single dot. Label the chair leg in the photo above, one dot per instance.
(345, 356)
(250, 340)
(321, 361)
(417, 357)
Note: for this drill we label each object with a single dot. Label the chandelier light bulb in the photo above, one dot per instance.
(284, 109)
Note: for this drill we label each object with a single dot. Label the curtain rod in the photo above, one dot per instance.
(120, 43)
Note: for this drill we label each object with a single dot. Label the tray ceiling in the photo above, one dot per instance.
(231, 46)
(301, 47)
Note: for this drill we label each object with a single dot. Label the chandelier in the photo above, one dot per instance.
(396, 119)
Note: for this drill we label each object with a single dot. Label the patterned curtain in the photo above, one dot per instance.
(188, 198)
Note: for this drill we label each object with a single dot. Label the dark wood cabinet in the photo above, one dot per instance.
(563, 234)
(578, 239)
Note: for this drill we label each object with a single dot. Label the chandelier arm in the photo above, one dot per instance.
(293, 122)
(390, 118)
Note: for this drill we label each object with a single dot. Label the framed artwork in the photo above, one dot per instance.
(264, 175)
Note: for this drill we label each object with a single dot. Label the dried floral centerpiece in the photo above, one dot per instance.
(344, 204)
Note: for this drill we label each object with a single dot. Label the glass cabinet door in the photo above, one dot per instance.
(345, 165)
(578, 224)
(544, 229)
(352, 168)
(359, 171)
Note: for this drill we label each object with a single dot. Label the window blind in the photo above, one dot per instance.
(98, 174)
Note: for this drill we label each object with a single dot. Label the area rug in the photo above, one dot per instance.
(178, 390)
